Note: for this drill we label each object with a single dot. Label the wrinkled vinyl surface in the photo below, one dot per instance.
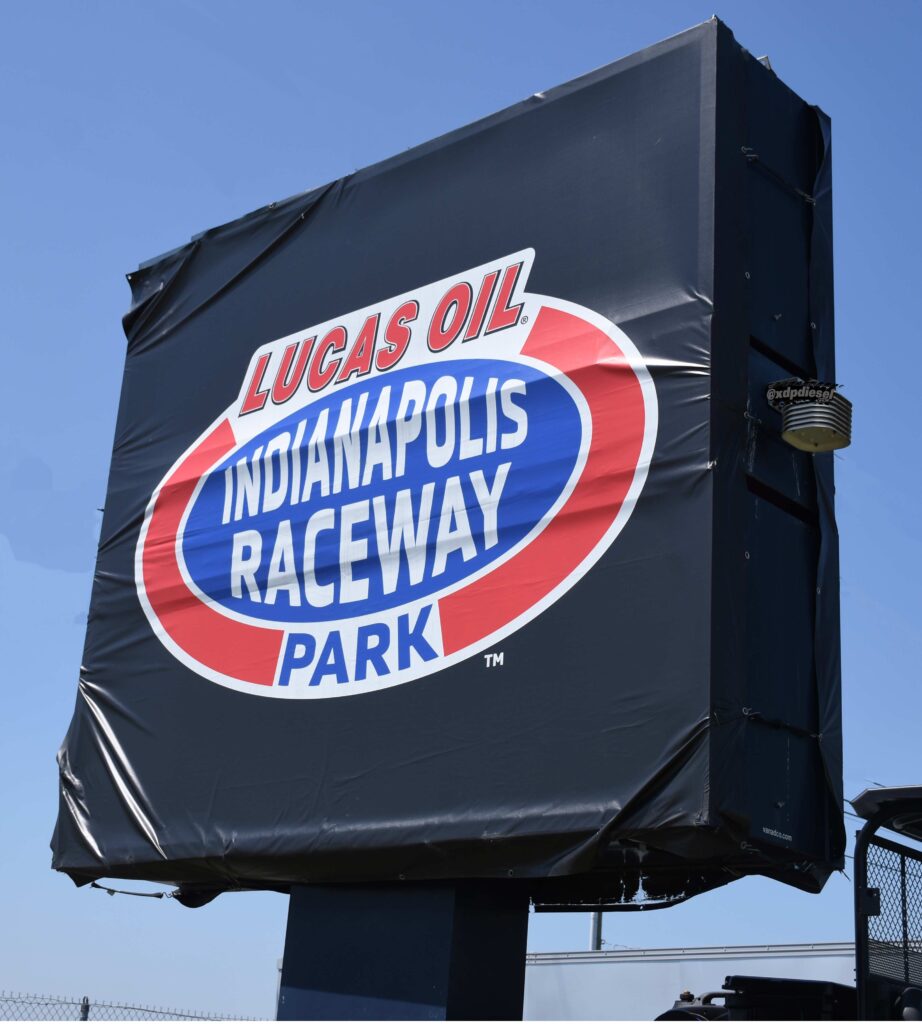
(444, 529)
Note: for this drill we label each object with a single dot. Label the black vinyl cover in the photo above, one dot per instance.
(448, 533)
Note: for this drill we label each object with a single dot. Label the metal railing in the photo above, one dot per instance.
(25, 1006)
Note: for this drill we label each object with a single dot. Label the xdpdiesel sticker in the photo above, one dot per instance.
(398, 489)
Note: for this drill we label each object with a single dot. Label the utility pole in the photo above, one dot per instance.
(595, 930)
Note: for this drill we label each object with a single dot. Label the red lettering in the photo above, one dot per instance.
(449, 316)
(287, 381)
(397, 335)
(255, 398)
(320, 374)
(480, 306)
(503, 314)
(359, 359)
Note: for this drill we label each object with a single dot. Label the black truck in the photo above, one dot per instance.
(888, 934)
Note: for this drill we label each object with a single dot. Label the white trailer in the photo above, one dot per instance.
(639, 984)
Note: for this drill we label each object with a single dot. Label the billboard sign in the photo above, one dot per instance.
(448, 532)
(350, 520)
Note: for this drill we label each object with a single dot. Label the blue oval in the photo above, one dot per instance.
(537, 465)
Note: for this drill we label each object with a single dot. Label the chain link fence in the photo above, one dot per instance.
(895, 934)
(20, 1006)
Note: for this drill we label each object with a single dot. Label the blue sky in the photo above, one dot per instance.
(128, 127)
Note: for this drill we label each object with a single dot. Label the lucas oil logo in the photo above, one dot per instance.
(398, 489)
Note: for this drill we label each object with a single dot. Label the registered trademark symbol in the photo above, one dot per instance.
(524, 320)
(493, 660)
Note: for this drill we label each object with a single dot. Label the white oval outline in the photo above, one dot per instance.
(582, 411)
(651, 422)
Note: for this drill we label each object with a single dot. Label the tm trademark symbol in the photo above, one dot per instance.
(493, 660)
(524, 320)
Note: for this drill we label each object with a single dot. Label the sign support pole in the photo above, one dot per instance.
(407, 951)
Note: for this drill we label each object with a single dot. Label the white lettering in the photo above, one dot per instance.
(317, 594)
(318, 466)
(274, 493)
(409, 426)
(379, 443)
(488, 499)
(248, 480)
(514, 412)
(470, 447)
(347, 443)
(403, 534)
(453, 537)
(246, 554)
(282, 574)
(437, 453)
